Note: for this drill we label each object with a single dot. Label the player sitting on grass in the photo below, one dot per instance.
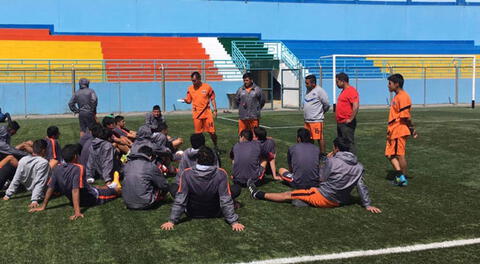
(101, 161)
(268, 146)
(303, 162)
(122, 130)
(123, 144)
(9, 155)
(249, 159)
(154, 118)
(342, 172)
(69, 179)
(32, 172)
(86, 143)
(166, 147)
(6, 133)
(189, 156)
(144, 184)
(204, 192)
(54, 152)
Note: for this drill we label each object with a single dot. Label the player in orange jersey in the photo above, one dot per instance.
(200, 95)
(399, 128)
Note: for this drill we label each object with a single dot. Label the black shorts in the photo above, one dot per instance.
(106, 195)
(86, 121)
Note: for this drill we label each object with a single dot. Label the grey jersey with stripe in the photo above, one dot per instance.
(249, 103)
(315, 105)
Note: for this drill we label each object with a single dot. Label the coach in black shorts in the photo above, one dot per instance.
(84, 103)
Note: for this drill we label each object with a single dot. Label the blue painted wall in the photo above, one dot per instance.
(44, 98)
(273, 20)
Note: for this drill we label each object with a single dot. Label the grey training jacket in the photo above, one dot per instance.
(142, 180)
(249, 103)
(340, 175)
(33, 173)
(84, 100)
(100, 160)
(315, 105)
(203, 193)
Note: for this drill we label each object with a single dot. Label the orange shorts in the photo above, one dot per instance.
(313, 197)
(247, 124)
(316, 130)
(204, 125)
(396, 147)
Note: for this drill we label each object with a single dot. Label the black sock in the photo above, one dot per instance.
(260, 195)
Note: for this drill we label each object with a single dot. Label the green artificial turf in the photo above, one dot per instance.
(440, 203)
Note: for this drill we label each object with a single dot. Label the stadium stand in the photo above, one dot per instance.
(124, 61)
(309, 51)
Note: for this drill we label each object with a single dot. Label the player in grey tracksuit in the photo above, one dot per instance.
(8, 171)
(315, 105)
(144, 184)
(341, 173)
(101, 160)
(155, 118)
(204, 192)
(84, 103)
(250, 100)
(32, 172)
(189, 156)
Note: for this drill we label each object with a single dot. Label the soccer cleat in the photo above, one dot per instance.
(252, 188)
(401, 180)
(90, 180)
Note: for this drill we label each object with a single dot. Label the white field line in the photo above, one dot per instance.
(375, 252)
(367, 123)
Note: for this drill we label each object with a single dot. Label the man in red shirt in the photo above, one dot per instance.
(200, 95)
(346, 110)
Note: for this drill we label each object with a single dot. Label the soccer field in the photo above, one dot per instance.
(440, 203)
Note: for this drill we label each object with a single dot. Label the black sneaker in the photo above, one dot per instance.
(252, 188)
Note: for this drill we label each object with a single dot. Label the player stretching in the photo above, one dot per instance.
(399, 128)
(200, 95)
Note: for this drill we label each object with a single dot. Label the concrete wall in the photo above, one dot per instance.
(272, 20)
(40, 98)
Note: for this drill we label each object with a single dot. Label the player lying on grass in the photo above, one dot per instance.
(400, 127)
(54, 152)
(249, 160)
(268, 146)
(303, 162)
(341, 173)
(70, 180)
(122, 130)
(204, 192)
(144, 185)
(32, 172)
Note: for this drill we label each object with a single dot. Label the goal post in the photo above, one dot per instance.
(417, 67)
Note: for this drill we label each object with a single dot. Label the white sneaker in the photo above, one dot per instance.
(90, 180)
